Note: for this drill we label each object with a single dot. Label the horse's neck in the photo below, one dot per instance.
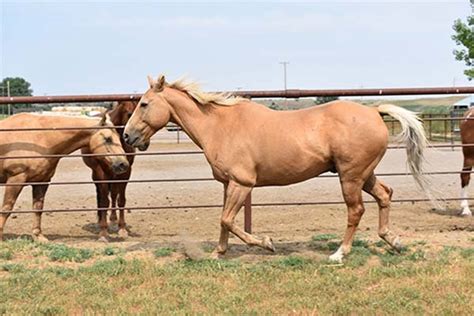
(115, 115)
(68, 141)
(195, 119)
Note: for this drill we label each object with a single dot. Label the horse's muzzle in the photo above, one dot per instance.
(120, 167)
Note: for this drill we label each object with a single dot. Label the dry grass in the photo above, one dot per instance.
(372, 281)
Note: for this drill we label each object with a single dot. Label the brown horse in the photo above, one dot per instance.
(467, 137)
(249, 145)
(101, 170)
(20, 170)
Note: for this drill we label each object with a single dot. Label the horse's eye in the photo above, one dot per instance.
(143, 104)
(108, 140)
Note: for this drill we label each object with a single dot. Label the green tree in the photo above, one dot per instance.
(322, 100)
(18, 87)
(464, 37)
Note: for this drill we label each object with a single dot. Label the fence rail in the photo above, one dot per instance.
(289, 93)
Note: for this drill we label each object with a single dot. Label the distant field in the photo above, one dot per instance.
(425, 105)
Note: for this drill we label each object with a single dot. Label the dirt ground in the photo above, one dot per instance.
(291, 227)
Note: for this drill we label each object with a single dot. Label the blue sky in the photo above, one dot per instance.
(72, 47)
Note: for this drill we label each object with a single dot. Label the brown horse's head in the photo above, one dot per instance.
(152, 113)
(122, 111)
(107, 141)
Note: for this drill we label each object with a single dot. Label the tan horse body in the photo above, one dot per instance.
(101, 171)
(249, 145)
(467, 137)
(34, 143)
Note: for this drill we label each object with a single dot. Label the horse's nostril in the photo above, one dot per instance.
(125, 136)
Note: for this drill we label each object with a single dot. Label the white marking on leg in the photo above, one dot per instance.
(464, 202)
(337, 256)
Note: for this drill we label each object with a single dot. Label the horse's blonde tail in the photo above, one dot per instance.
(413, 136)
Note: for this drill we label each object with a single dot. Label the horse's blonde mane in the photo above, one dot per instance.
(193, 89)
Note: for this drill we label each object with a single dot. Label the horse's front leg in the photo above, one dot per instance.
(235, 195)
(10, 196)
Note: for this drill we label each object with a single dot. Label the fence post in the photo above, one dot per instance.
(177, 134)
(430, 126)
(445, 128)
(248, 213)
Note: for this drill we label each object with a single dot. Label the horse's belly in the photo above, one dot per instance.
(289, 174)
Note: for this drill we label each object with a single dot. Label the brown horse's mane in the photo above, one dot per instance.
(193, 89)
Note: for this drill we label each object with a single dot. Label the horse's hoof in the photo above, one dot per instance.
(397, 244)
(336, 257)
(466, 212)
(215, 255)
(103, 239)
(123, 233)
(40, 238)
(267, 243)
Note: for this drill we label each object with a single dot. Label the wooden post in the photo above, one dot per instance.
(248, 214)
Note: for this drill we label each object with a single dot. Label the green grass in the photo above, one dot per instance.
(60, 252)
(284, 286)
(373, 280)
(163, 252)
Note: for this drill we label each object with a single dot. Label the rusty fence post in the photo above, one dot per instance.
(248, 213)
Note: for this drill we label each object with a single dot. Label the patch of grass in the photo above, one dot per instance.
(12, 267)
(417, 255)
(62, 253)
(110, 251)
(293, 261)
(380, 243)
(467, 253)
(6, 254)
(358, 257)
(292, 285)
(324, 237)
(163, 252)
(107, 267)
(61, 272)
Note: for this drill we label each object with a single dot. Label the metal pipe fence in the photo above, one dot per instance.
(293, 93)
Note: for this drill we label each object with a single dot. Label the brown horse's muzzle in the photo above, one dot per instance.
(120, 166)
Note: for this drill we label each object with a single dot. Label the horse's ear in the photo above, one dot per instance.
(103, 120)
(151, 82)
(160, 83)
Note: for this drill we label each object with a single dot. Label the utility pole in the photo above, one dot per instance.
(285, 63)
(8, 95)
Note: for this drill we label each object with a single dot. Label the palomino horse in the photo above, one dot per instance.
(249, 145)
(101, 170)
(467, 137)
(20, 170)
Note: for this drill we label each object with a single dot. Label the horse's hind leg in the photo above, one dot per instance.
(465, 178)
(235, 197)
(9, 198)
(352, 192)
(383, 194)
(39, 192)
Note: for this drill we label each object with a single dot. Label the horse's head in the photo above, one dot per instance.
(107, 141)
(125, 109)
(152, 113)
